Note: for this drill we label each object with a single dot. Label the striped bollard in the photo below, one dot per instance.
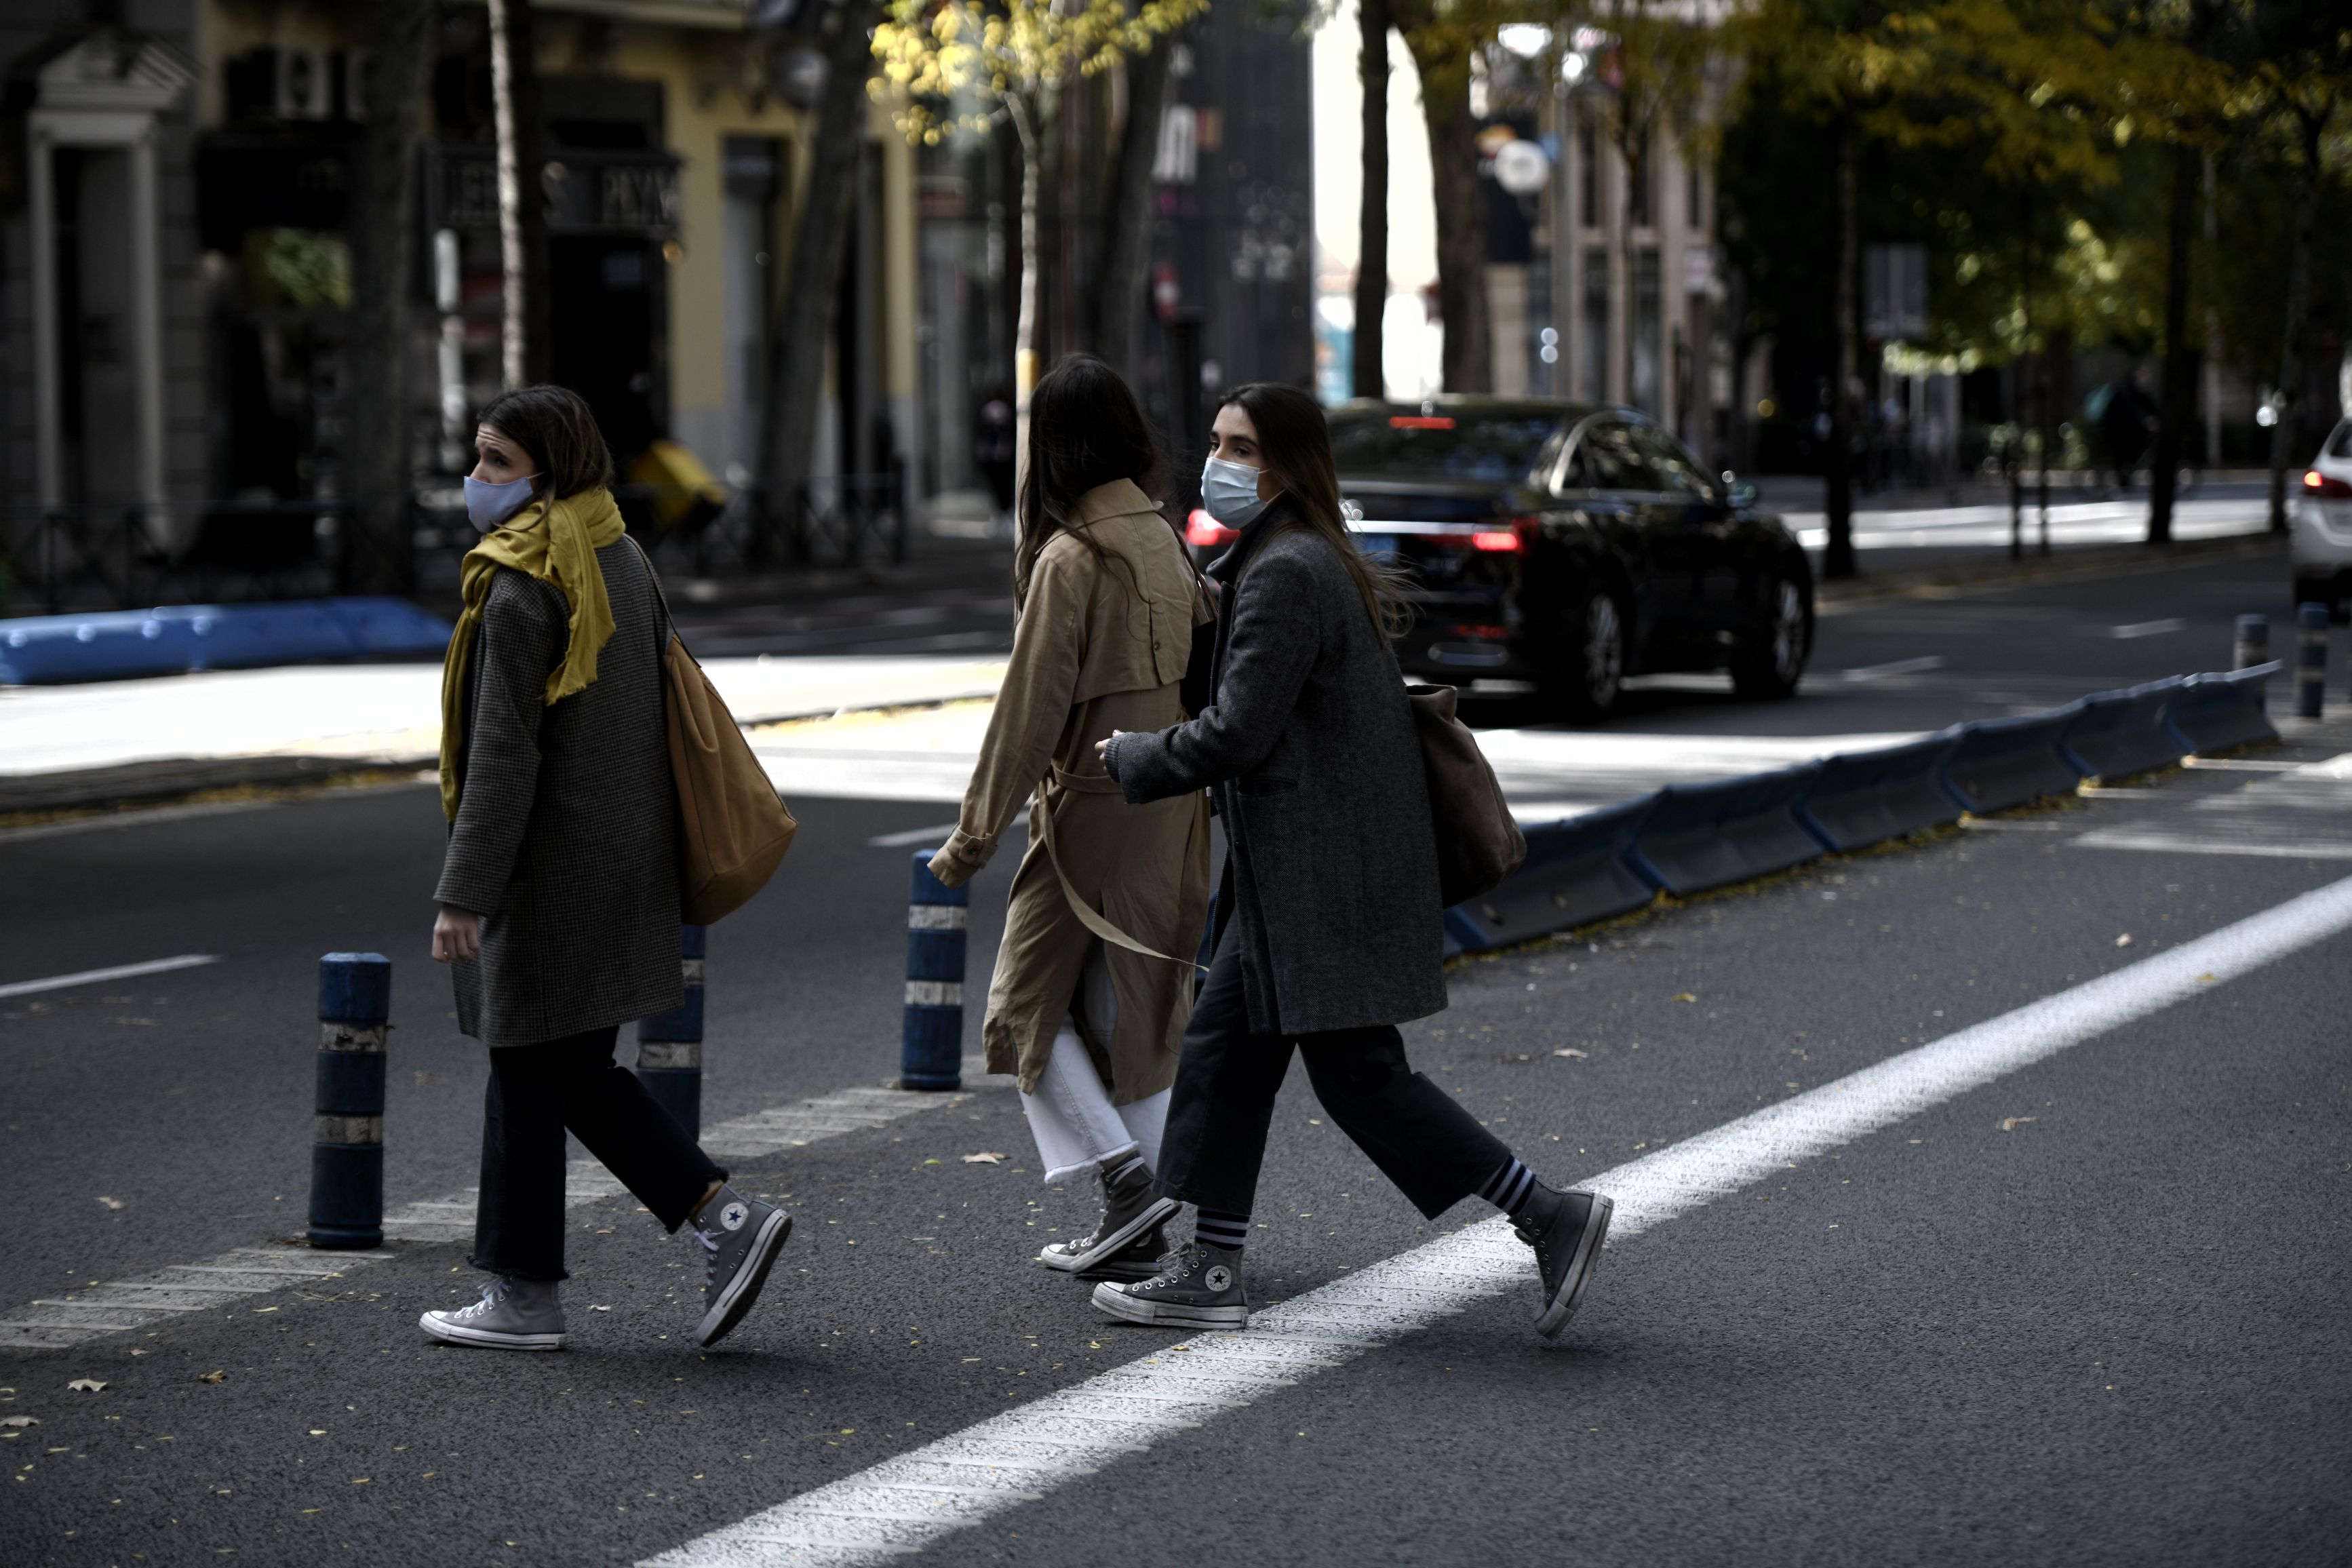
(347, 1137)
(2310, 660)
(931, 1051)
(669, 1045)
(2253, 645)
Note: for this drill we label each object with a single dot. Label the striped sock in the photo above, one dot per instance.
(1126, 1168)
(1213, 1228)
(1510, 1186)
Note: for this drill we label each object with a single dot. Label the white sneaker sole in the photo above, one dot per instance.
(1571, 1295)
(447, 1332)
(735, 1297)
(1162, 1210)
(1119, 1304)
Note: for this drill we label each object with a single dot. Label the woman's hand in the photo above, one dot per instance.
(457, 933)
(1104, 745)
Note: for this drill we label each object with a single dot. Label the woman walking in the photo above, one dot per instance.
(1332, 926)
(1094, 978)
(558, 891)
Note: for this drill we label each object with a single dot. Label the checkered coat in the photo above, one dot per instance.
(566, 836)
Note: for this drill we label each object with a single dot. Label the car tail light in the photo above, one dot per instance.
(1479, 634)
(1497, 539)
(1206, 532)
(2320, 487)
(1420, 422)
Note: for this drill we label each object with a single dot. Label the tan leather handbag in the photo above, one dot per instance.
(1478, 842)
(732, 828)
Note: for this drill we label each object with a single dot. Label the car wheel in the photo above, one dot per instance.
(1594, 675)
(1771, 665)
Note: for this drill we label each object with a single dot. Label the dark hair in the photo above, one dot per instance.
(556, 427)
(1295, 443)
(1086, 429)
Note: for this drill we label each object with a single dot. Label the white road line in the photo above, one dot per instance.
(914, 836)
(906, 1504)
(2159, 842)
(1919, 666)
(120, 971)
(2147, 628)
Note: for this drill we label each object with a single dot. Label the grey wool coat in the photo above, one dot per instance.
(566, 837)
(1309, 747)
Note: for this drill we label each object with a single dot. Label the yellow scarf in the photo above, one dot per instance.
(555, 541)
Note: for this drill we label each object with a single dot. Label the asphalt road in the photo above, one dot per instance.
(2092, 1311)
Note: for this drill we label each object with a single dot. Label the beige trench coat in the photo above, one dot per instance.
(1101, 646)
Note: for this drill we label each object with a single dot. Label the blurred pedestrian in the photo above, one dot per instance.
(558, 891)
(1094, 978)
(995, 428)
(1330, 925)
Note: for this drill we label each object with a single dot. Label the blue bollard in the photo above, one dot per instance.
(669, 1045)
(347, 1138)
(931, 1051)
(2253, 645)
(2310, 660)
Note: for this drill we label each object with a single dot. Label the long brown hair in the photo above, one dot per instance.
(1295, 442)
(1086, 430)
(556, 427)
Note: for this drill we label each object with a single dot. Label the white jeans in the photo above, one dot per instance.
(1070, 1115)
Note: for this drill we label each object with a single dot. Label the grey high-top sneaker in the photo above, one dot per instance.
(1565, 1228)
(1200, 1287)
(512, 1315)
(740, 1238)
(1130, 1209)
(1140, 1260)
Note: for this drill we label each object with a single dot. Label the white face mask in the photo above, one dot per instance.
(490, 505)
(1229, 492)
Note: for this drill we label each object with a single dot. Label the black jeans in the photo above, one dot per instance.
(536, 1092)
(1433, 1150)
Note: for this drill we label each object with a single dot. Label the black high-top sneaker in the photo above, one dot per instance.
(1130, 1209)
(1138, 1259)
(1200, 1287)
(1565, 1229)
(741, 1237)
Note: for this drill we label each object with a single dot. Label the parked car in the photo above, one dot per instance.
(1564, 546)
(2322, 541)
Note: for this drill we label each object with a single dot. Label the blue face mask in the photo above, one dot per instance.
(490, 505)
(1229, 492)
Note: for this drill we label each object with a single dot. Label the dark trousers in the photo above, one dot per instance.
(1433, 1150)
(536, 1094)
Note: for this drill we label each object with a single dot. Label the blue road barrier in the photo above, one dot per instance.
(2310, 660)
(347, 1137)
(2120, 734)
(117, 644)
(1576, 872)
(931, 1049)
(2253, 645)
(1705, 835)
(2215, 714)
(1862, 798)
(1997, 763)
(669, 1045)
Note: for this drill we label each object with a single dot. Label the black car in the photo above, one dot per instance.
(1564, 546)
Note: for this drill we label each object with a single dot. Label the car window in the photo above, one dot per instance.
(1609, 456)
(1677, 474)
(1501, 446)
(2339, 441)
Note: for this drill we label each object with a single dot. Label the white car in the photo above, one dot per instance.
(2322, 523)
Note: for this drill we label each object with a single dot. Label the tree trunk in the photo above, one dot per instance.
(1629, 167)
(1468, 361)
(2176, 396)
(1126, 247)
(1838, 558)
(820, 237)
(1024, 326)
(1370, 352)
(378, 552)
(522, 199)
(2284, 434)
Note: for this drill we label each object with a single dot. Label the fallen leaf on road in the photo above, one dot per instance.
(114, 1203)
(85, 1385)
(2123, 940)
(213, 1377)
(1685, 997)
(600, 1308)
(19, 1421)
(2205, 980)
(2011, 1123)
(985, 1157)
(1572, 1052)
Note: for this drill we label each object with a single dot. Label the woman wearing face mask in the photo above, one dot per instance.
(1094, 978)
(1331, 928)
(559, 890)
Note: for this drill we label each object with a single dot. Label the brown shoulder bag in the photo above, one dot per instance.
(1478, 842)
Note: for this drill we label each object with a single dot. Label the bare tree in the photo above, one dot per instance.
(522, 202)
(1370, 379)
(378, 553)
(1126, 241)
